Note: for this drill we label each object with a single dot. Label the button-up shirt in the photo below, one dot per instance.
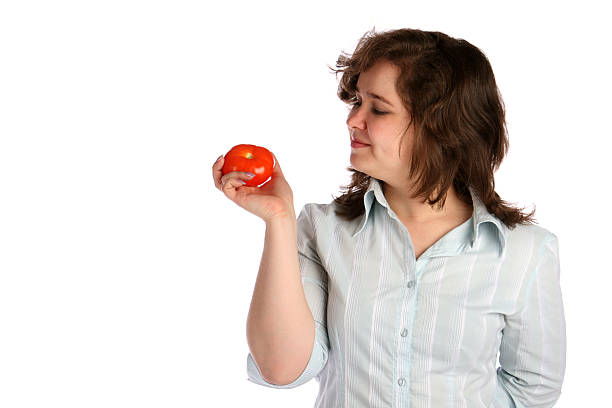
(395, 331)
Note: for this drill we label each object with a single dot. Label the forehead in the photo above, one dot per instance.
(380, 77)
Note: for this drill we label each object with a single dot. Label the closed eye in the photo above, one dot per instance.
(354, 102)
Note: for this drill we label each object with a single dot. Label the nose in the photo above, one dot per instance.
(355, 119)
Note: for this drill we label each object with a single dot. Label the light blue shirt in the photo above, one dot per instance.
(393, 331)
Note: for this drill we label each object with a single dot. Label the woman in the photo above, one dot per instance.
(402, 291)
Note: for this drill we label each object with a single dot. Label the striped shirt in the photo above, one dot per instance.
(395, 331)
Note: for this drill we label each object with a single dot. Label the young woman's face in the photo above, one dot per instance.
(380, 124)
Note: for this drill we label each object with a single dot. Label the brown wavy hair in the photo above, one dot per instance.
(460, 135)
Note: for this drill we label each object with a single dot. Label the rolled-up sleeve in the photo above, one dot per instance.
(533, 346)
(314, 281)
(317, 361)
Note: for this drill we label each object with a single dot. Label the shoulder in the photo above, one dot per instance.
(316, 210)
(529, 233)
(321, 212)
(315, 227)
(321, 218)
(531, 242)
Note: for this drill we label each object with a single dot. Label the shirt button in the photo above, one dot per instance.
(404, 332)
(401, 382)
(410, 284)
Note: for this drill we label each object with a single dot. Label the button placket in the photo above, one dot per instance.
(411, 299)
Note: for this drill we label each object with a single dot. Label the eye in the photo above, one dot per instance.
(355, 102)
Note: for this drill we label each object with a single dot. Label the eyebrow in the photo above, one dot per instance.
(373, 95)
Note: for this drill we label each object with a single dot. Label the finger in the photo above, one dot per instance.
(230, 186)
(217, 172)
(277, 167)
(239, 175)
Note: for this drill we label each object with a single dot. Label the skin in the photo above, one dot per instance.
(381, 159)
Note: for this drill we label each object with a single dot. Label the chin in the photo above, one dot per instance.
(356, 166)
(359, 168)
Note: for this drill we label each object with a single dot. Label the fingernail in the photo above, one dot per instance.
(219, 158)
(250, 175)
(242, 181)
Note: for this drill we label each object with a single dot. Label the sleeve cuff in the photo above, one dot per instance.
(317, 361)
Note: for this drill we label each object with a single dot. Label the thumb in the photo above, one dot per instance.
(277, 168)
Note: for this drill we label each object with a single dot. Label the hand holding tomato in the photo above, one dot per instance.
(270, 200)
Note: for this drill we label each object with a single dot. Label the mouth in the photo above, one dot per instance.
(359, 142)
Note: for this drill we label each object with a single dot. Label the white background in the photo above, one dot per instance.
(126, 276)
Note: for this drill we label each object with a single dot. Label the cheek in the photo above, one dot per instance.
(387, 148)
(404, 145)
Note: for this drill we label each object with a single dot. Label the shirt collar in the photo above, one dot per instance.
(480, 214)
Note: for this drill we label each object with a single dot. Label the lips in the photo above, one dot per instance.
(357, 145)
(353, 139)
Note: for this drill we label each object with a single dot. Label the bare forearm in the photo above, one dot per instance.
(280, 326)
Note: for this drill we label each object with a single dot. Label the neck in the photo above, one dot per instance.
(413, 209)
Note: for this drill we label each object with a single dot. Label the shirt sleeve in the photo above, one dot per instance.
(533, 346)
(314, 281)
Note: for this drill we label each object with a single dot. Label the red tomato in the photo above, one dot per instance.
(254, 159)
